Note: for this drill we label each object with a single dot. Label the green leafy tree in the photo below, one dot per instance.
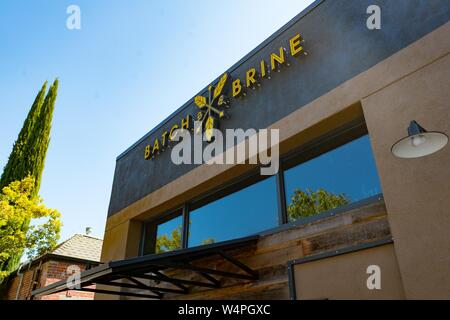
(14, 168)
(30, 149)
(308, 203)
(40, 139)
(17, 209)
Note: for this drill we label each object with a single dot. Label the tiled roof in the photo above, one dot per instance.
(81, 247)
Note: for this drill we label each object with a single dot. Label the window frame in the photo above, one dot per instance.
(155, 222)
(328, 142)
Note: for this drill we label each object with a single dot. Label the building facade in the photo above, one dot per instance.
(342, 208)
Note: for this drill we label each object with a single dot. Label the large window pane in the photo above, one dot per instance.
(338, 177)
(239, 214)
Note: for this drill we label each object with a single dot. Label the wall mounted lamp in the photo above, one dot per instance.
(419, 142)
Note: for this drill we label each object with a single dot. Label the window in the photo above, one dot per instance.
(164, 235)
(244, 212)
(327, 174)
(335, 178)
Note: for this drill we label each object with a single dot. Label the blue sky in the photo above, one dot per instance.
(131, 65)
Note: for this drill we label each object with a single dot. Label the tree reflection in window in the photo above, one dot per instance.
(166, 243)
(308, 203)
(340, 176)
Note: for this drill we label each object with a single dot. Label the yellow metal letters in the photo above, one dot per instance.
(212, 106)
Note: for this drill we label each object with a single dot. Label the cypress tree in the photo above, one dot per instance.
(30, 149)
(13, 170)
(40, 138)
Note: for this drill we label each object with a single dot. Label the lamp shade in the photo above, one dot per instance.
(419, 142)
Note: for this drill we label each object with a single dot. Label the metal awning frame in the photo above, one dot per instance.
(152, 267)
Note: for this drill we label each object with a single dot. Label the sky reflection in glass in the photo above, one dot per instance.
(242, 213)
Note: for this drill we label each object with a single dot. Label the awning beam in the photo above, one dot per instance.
(154, 267)
(136, 285)
(175, 281)
(209, 271)
(121, 293)
(238, 264)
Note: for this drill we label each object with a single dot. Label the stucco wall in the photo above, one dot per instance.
(345, 276)
(417, 191)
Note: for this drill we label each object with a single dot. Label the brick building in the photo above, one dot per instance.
(78, 251)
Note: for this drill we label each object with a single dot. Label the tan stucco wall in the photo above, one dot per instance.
(416, 191)
(122, 241)
(345, 276)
